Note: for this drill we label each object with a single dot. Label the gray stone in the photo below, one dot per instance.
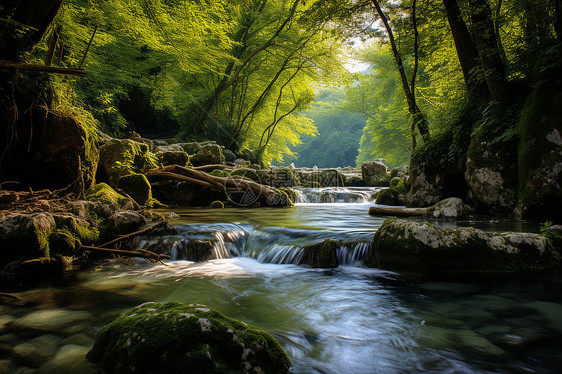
(36, 351)
(208, 155)
(70, 359)
(127, 220)
(51, 319)
(374, 173)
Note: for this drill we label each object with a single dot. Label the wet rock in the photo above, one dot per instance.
(127, 221)
(120, 157)
(175, 337)
(36, 351)
(208, 155)
(374, 173)
(229, 156)
(78, 339)
(5, 319)
(169, 148)
(421, 248)
(452, 207)
(388, 196)
(50, 319)
(180, 158)
(321, 255)
(540, 154)
(70, 359)
(137, 187)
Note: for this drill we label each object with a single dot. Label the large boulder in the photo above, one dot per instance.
(166, 158)
(540, 154)
(491, 171)
(191, 148)
(374, 173)
(210, 154)
(388, 196)
(180, 338)
(421, 248)
(321, 255)
(137, 187)
(50, 144)
(119, 157)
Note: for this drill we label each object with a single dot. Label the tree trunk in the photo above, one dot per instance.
(419, 119)
(467, 52)
(558, 21)
(487, 45)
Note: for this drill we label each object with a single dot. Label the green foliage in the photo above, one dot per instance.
(338, 133)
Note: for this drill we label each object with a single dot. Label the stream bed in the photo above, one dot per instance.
(345, 320)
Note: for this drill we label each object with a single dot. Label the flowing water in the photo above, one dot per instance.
(345, 320)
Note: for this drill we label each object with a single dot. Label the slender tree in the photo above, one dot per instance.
(419, 118)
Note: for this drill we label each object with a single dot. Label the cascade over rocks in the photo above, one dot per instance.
(421, 248)
(180, 338)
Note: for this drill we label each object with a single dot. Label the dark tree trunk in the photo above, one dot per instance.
(467, 52)
(558, 21)
(419, 119)
(487, 45)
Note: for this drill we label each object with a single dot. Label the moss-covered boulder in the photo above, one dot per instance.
(119, 157)
(137, 187)
(321, 255)
(248, 155)
(103, 193)
(388, 196)
(180, 158)
(44, 235)
(229, 156)
(47, 144)
(540, 154)
(210, 154)
(178, 338)
(279, 177)
(191, 148)
(374, 173)
(421, 248)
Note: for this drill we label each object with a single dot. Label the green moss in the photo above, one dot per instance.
(220, 173)
(123, 157)
(174, 337)
(388, 196)
(539, 193)
(321, 255)
(137, 187)
(104, 193)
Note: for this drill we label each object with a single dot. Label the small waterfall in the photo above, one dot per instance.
(198, 242)
(281, 254)
(336, 195)
(354, 256)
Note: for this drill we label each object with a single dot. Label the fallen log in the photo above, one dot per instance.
(222, 184)
(398, 212)
(42, 68)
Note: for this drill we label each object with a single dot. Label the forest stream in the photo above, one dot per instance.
(345, 320)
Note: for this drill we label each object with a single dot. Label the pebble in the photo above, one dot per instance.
(70, 359)
(51, 319)
(36, 351)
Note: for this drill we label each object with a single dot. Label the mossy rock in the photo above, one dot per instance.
(210, 154)
(180, 158)
(229, 156)
(220, 173)
(388, 196)
(321, 255)
(119, 157)
(103, 193)
(191, 148)
(246, 173)
(540, 154)
(421, 248)
(137, 187)
(179, 338)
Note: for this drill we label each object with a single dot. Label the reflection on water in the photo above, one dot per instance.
(344, 320)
